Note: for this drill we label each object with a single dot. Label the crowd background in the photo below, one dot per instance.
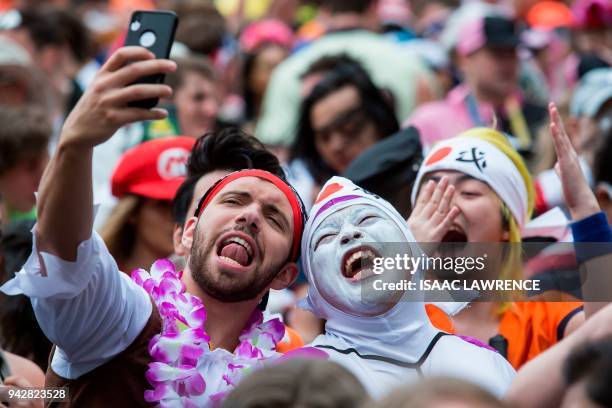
(331, 87)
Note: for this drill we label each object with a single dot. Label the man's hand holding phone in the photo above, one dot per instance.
(103, 108)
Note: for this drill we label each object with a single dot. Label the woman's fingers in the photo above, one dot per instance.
(436, 197)
(424, 197)
(445, 202)
(561, 140)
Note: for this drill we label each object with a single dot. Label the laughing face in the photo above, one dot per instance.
(242, 240)
(343, 248)
(480, 217)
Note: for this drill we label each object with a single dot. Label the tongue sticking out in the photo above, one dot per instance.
(236, 252)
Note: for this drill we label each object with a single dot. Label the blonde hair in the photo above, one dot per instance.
(512, 268)
(118, 232)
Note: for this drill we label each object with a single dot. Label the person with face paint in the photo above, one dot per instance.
(475, 188)
(383, 337)
(197, 331)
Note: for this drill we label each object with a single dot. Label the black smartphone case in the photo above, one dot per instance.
(163, 25)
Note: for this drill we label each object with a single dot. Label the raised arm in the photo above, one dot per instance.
(583, 206)
(65, 203)
(82, 302)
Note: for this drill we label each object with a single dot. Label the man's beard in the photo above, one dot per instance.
(223, 287)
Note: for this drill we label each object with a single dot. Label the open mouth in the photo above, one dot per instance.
(236, 249)
(358, 263)
(455, 235)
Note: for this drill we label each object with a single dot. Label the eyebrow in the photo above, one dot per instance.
(266, 207)
(241, 194)
(338, 119)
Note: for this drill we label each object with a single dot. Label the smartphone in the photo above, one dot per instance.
(153, 30)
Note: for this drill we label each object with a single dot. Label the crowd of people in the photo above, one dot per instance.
(217, 250)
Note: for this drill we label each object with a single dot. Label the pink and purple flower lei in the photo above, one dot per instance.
(182, 348)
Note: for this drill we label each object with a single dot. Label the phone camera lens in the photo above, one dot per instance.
(135, 26)
(147, 39)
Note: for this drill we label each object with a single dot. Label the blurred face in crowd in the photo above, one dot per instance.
(493, 72)
(476, 202)
(594, 41)
(342, 130)
(154, 226)
(56, 61)
(18, 184)
(266, 60)
(343, 248)
(197, 101)
(587, 131)
(241, 242)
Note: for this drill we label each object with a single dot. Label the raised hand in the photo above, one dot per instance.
(103, 109)
(579, 198)
(433, 214)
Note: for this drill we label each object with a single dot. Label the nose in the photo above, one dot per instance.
(336, 143)
(350, 234)
(250, 217)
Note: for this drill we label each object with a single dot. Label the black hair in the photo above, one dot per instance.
(227, 149)
(247, 94)
(589, 62)
(327, 63)
(376, 105)
(592, 363)
(347, 6)
(602, 167)
(52, 26)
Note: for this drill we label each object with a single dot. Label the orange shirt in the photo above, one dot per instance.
(291, 341)
(529, 327)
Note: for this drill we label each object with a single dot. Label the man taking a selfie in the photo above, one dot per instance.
(243, 241)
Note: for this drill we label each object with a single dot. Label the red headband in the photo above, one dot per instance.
(296, 204)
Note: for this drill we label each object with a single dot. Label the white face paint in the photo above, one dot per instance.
(339, 247)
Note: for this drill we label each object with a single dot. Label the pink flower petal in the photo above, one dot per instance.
(160, 266)
(195, 385)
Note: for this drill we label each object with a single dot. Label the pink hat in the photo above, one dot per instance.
(490, 31)
(592, 14)
(265, 31)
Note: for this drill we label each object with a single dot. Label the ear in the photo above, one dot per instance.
(285, 277)
(188, 233)
(177, 236)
